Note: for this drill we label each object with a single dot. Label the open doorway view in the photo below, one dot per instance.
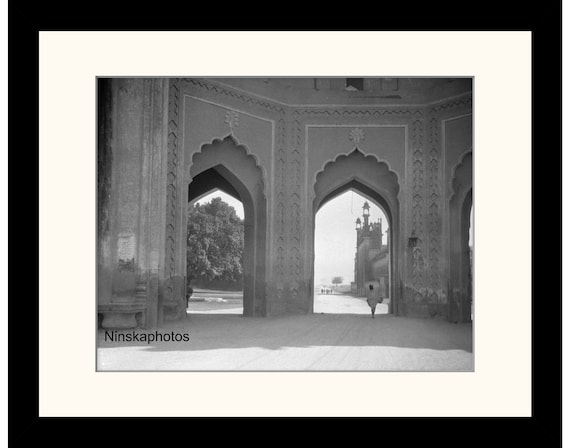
(215, 241)
(352, 256)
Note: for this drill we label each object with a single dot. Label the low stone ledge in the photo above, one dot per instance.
(122, 313)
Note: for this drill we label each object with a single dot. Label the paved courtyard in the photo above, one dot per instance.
(329, 339)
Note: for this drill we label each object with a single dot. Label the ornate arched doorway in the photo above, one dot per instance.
(227, 165)
(373, 179)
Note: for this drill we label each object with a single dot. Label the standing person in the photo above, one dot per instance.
(371, 300)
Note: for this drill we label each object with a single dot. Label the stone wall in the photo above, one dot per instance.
(131, 200)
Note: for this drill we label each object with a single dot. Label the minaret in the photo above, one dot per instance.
(356, 258)
(366, 215)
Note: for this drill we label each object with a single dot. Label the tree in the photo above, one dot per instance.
(337, 280)
(215, 242)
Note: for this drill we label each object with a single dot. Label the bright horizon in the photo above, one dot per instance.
(335, 236)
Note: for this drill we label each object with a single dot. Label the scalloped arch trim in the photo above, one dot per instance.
(243, 150)
(356, 153)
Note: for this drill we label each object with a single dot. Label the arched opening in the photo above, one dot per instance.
(224, 165)
(372, 180)
(461, 243)
(466, 260)
(352, 254)
(214, 264)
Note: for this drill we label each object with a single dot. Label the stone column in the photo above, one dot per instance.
(172, 300)
(121, 150)
(152, 187)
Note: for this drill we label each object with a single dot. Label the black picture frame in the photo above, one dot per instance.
(544, 19)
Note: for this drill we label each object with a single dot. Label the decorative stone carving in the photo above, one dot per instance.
(281, 201)
(230, 93)
(434, 212)
(359, 113)
(434, 189)
(356, 135)
(172, 186)
(295, 186)
(232, 120)
(386, 178)
(417, 203)
(461, 102)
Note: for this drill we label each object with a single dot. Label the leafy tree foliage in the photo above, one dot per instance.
(337, 280)
(215, 242)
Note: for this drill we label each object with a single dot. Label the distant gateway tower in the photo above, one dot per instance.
(371, 258)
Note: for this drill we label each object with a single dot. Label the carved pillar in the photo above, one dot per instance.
(153, 199)
(172, 300)
(276, 291)
(297, 300)
(416, 222)
(436, 290)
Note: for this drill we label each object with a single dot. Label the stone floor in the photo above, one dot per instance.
(331, 341)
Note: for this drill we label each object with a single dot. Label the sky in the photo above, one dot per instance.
(335, 235)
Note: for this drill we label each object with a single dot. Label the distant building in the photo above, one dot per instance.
(372, 256)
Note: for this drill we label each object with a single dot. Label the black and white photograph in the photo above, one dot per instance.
(285, 224)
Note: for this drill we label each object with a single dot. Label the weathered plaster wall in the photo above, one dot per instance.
(131, 188)
(127, 143)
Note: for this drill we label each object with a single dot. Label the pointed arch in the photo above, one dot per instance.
(233, 149)
(229, 166)
(374, 179)
(357, 157)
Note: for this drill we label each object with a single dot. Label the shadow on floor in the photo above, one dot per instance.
(221, 331)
